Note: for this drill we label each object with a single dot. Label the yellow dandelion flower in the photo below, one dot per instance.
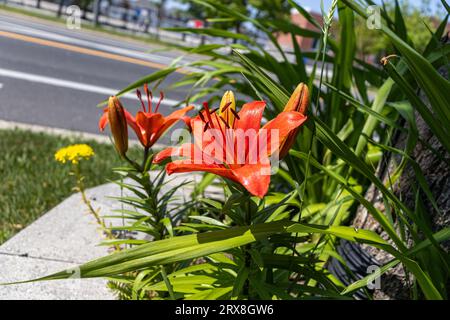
(74, 153)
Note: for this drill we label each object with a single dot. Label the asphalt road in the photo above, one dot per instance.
(53, 76)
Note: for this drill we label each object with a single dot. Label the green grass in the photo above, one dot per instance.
(32, 182)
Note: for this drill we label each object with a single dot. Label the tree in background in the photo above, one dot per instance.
(419, 20)
(197, 11)
(273, 9)
(259, 9)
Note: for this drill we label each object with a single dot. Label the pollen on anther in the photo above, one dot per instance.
(201, 117)
(226, 106)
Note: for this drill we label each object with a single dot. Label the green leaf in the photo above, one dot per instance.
(172, 250)
(239, 282)
(434, 85)
(212, 32)
(158, 75)
(348, 233)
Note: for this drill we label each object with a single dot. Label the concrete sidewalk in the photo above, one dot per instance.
(63, 238)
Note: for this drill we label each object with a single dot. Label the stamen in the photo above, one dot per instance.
(208, 114)
(149, 97)
(206, 126)
(235, 114)
(202, 117)
(220, 127)
(224, 137)
(215, 110)
(139, 95)
(225, 107)
(224, 121)
(161, 97)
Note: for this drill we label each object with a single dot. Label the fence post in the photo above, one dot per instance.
(61, 3)
(96, 11)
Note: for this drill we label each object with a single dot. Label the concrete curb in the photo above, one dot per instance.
(63, 238)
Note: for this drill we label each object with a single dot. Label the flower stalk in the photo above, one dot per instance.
(95, 213)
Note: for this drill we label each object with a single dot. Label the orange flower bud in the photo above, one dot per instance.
(118, 124)
(299, 102)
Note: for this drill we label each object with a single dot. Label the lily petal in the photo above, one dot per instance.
(250, 115)
(169, 121)
(282, 125)
(188, 151)
(103, 120)
(254, 177)
(131, 121)
(179, 166)
(185, 150)
(149, 124)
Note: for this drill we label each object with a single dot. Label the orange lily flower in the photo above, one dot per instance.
(148, 125)
(251, 167)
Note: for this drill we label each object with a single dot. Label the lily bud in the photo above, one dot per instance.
(227, 104)
(299, 102)
(118, 124)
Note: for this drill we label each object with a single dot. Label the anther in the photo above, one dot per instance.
(235, 114)
(201, 117)
(225, 107)
(208, 114)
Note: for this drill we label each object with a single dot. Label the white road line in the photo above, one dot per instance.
(13, 27)
(73, 85)
(75, 41)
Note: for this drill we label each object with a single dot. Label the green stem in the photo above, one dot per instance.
(147, 183)
(247, 256)
(167, 282)
(146, 150)
(81, 188)
(133, 163)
